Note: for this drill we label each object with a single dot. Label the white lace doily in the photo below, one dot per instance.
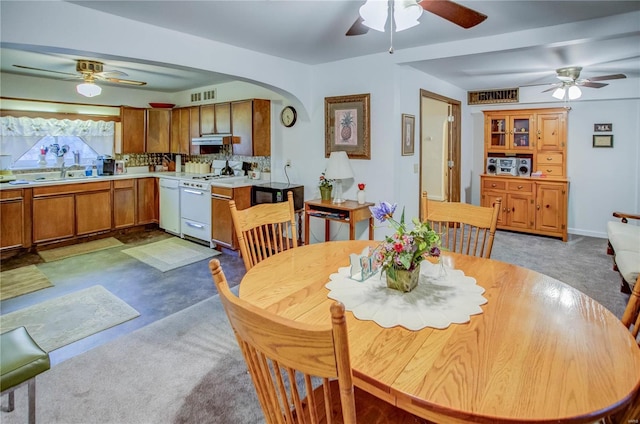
(437, 301)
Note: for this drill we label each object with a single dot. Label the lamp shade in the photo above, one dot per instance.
(406, 14)
(88, 89)
(574, 92)
(338, 167)
(374, 14)
(559, 93)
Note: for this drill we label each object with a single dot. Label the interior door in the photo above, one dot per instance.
(439, 147)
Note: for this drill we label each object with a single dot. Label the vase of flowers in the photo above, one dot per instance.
(326, 186)
(400, 254)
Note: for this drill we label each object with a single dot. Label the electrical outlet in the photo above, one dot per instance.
(288, 162)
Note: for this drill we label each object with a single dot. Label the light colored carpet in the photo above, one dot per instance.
(19, 281)
(170, 253)
(186, 368)
(79, 249)
(65, 319)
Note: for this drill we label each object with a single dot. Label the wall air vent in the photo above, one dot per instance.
(196, 97)
(483, 97)
(209, 95)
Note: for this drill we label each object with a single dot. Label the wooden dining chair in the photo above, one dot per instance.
(631, 320)
(463, 228)
(264, 230)
(301, 372)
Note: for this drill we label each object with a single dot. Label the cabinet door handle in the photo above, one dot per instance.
(520, 187)
(538, 207)
(493, 185)
(549, 171)
(548, 158)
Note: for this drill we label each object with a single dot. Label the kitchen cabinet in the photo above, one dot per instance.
(158, 130)
(93, 211)
(147, 201)
(133, 123)
(14, 214)
(223, 118)
(528, 204)
(53, 217)
(185, 125)
(505, 132)
(251, 121)
(124, 203)
(207, 119)
(222, 229)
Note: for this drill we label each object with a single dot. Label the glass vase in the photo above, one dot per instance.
(402, 279)
(361, 197)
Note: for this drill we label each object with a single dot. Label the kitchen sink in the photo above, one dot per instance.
(45, 177)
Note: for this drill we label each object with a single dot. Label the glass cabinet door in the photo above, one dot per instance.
(498, 135)
(521, 133)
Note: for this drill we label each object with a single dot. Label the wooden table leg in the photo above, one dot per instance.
(306, 228)
(327, 228)
(371, 228)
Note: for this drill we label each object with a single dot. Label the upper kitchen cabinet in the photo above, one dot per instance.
(158, 130)
(185, 125)
(251, 121)
(133, 121)
(506, 132)
(215, 118)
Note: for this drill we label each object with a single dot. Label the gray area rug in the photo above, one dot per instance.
(57, 322)
(186, 368)
(171, 253)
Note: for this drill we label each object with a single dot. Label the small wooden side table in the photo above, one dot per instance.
(350, 212)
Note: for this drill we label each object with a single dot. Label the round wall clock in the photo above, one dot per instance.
(288, 116)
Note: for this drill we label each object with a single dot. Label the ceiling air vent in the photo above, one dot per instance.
(505, 95)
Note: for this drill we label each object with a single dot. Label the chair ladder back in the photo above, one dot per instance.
(264, 230)
(294, 367)
(463, 228)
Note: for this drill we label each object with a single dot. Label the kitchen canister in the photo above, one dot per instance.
(178, 164)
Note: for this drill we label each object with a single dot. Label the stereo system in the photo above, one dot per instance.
(510, 166)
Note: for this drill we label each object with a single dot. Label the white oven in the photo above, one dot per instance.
(195, 209)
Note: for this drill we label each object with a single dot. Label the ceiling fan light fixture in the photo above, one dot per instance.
(559, 93)
(406, 14)
(374, 14)
(574, 92)
(88, 89)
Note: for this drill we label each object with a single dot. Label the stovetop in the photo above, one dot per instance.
(203, 181)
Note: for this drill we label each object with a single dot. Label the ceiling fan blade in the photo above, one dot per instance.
(593, 84)
(608, 77)
(358, 28)
(123, 81)
(111, 74)
(453, 12)
(45, 70)
(551, 89)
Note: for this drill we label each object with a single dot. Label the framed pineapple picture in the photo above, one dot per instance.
(347, 125)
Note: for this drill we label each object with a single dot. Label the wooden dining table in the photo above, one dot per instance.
(540, 351)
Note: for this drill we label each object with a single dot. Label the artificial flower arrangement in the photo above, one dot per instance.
(361, 186)
(324, 182)
(404, 249)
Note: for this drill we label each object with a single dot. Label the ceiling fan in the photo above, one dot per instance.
(91, 71)
(570, 82)
(446, 9)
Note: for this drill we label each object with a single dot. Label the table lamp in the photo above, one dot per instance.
(338, 169)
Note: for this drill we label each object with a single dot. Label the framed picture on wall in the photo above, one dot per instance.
(408, 134)
(603, 141)
(602, 127)
(347, 125)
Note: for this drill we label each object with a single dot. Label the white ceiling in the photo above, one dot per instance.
(313, 32)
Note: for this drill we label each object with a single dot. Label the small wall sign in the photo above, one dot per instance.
(602, 127)
(603, 141)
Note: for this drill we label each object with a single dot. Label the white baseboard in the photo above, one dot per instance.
(579, 232)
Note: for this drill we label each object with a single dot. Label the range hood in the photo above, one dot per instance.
(212, 140)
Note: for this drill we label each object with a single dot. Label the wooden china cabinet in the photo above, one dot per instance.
(537, 138)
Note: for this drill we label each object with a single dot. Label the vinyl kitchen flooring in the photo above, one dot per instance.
(153, 293)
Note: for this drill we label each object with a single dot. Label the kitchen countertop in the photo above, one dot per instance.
(53, 179)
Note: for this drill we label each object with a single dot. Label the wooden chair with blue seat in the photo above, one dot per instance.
(21, 361)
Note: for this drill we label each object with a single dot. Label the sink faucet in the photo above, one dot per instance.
(62, 169)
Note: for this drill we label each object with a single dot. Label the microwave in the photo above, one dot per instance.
(507, 166)
(277, 192)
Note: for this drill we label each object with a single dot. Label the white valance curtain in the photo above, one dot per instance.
(18, 135)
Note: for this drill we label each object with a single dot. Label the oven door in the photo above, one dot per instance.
(195, 205)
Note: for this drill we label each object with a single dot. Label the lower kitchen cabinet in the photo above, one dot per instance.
(147, 201)
(222, 229)
(124, 203)
(53, 217)
(93, 211)
(13, 220)
(528, 205)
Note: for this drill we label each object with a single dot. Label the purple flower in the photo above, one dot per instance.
(383, 211)
(435, 251)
